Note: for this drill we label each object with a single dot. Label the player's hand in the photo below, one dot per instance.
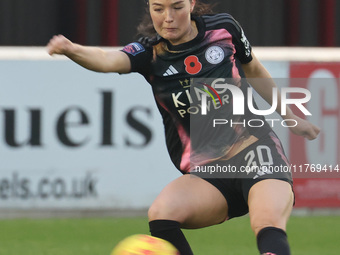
(59, 44)
(305, 128)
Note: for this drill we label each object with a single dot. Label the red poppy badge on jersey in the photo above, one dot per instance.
(192, 65)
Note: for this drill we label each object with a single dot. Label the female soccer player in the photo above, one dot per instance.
(189, 51)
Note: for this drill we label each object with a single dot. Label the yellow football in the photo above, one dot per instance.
(144, 245)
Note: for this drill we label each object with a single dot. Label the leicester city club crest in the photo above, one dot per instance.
(214, 55)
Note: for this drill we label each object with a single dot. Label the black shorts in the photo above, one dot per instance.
(264, 159)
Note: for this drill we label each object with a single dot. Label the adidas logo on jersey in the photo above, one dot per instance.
(262, 171)
(171, 71)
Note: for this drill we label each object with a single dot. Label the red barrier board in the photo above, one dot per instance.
(316, 164)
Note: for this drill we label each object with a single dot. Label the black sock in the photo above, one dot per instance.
(170, 230)
(273, 241)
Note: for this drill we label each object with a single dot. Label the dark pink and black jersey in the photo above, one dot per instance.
(179, 73)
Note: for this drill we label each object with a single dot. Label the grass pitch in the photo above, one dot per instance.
(307, 236)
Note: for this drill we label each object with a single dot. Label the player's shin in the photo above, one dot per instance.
(170, 230)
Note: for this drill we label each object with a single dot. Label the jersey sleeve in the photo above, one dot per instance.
(140, 55)
(242, 45)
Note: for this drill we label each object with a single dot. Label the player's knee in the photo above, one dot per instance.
(165, 211)
(268, 218)
(256, 226)
(153, 212)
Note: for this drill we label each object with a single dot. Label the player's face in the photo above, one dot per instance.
(171, 19)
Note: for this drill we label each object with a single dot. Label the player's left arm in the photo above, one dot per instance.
(263, 84)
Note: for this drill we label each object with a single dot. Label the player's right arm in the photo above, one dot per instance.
(92, 58)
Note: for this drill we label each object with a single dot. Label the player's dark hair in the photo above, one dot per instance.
(146, 28)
